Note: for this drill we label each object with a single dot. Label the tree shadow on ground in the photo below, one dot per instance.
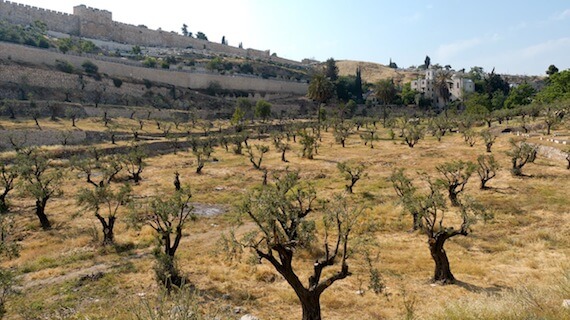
(478, 289)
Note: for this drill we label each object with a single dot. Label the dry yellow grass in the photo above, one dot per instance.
(373, 72)
(525, 247)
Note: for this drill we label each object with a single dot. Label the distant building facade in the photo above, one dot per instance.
(458, 86)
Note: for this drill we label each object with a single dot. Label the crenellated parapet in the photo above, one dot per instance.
(98, 24)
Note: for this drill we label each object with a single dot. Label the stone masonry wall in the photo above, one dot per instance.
(94, 23)
(24, 14)
(177, 78)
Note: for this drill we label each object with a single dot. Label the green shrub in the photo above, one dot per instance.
(117, 82)
(63, 66)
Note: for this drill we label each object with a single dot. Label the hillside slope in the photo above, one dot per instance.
(372, 72)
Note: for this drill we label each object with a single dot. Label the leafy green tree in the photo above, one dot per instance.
(150, 62)
(216, 64)
(346, 88)
(432, 209)
(470, 137)
(352, 173)
(168, 217)
(331, 70)
(427, 62)
(476, 74)
(406, 190)
(262, 109)
(104, 168)
(64, 66)
(341, 132)
(261, 150)
(441, 85)
(39, 180)
(412, 133)
(551, 117)
(498, 99)
(280, 213)
(440, 125)
(64, 45)
(87, 46)
(136, 50)
(521, 153)
(519, 96)
(247, 106)
(134, 162)
(89, 67)
(477, 103)
(280, 143)
(369, 136)
(358, 86)
(308, 141)
(385, 91)
(200, 35)
(237, 119)
(185, 30)
(108, 200)
(487, 169)
(321, 89)
(407, 95)
(202, 154)
(551, 70)
(488, 138)
(455, 174)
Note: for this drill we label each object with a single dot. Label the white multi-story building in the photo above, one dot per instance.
(458, 85)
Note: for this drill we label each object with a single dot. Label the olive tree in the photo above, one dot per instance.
(134, 162)
(455, 176)
(202, 154)
(470, 137)
(8, 175)
(309, 142)
(256, 160)
(39, 180)
(406, 190)
(281, 144)
(435, 216)
(352, 173)
(105, 202)
(488, 138)
(412, 133)
(551, 118)
(280, 213)
(369, 136)
(341, 132)
(521, 153)
(487, 169)
(168, 217)
(106, 168)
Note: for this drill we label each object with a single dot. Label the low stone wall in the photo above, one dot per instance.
(199, 81)
(26, 138)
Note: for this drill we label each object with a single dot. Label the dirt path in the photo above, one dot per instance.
(88, 272)
(94, 271)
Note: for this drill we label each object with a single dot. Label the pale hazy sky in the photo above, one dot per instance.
(518, 37)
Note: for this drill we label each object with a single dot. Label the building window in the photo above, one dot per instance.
(458, 85)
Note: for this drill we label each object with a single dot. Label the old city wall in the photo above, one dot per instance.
(25, 14)
(94, 23)
(99, 24)
(177, 78)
